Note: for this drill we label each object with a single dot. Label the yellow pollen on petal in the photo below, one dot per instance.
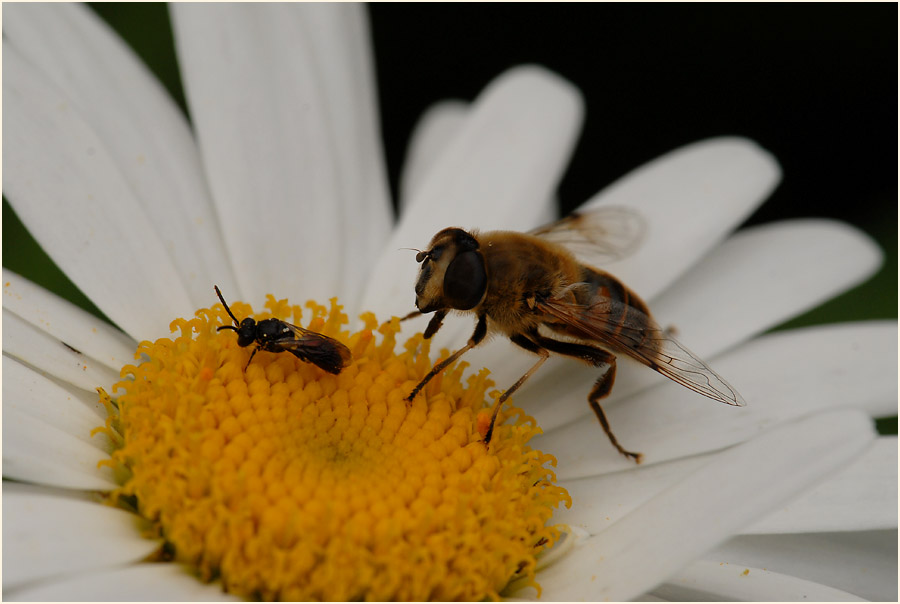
(289, 483)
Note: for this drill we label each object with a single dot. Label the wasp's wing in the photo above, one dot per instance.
(322, 351)
(629, 331)
(597, 237)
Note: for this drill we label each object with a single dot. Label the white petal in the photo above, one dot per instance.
(753, 281)
(45, 353)
(30, 393)
(711, 581)
(598, 502)
(63, 182)
(66, 322)
(340, 45)
(34, 451)
(431, 135)
(498, 172)
(861, 563)
(690, 198)
(47, 536)
(763, 276)
(262, 117)
(145, 133)
(160, 582)
(46, 433)
(782, 376)
(741, 484)
(861, 497)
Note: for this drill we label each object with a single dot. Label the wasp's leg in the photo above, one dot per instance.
(477, 337)
(252, 354)
(602, 387)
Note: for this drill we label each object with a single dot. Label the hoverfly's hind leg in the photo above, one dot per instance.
(602, 388)
(598, 358)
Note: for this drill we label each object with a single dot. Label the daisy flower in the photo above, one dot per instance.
(277, 186)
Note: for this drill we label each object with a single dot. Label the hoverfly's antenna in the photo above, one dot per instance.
(228, 310)
(420, 255)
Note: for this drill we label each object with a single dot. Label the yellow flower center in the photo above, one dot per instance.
(287, 482)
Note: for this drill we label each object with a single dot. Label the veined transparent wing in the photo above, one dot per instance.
(626, 330)
(599, 236)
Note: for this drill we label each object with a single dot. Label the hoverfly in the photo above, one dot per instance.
(274, 335)
(531, 288)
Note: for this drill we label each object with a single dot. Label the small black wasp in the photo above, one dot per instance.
(274, 335)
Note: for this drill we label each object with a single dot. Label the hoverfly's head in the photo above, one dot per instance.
(453, 274)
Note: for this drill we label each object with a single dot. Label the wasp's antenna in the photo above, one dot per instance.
(228, 310)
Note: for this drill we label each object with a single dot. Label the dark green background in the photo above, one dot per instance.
(816, 84)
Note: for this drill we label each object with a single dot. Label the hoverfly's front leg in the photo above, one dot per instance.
(602, 387)
(433, 325)
(477, 337)
(437, 320)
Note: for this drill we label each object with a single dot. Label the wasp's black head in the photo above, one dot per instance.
(247, 332)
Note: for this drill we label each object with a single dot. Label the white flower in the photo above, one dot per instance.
(793, 497)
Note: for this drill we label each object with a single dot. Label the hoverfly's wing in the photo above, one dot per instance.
(626, 330)
(324, 352)
(596, 237)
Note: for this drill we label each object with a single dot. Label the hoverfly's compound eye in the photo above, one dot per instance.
(465, 280)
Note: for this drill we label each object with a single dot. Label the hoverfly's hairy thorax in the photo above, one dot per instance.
(522, 269)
